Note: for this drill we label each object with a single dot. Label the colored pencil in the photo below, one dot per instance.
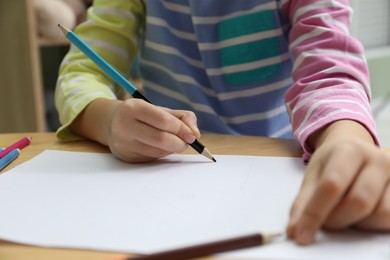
(118, 78)
(20, 144)
(8, 158)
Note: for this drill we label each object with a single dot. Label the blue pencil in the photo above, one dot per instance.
(107, 68)
(118, 78)
(8, 158)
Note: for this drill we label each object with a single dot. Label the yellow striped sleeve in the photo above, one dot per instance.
(111, 29)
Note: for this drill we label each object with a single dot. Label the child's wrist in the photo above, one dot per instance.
(339, 131)
(93, 122)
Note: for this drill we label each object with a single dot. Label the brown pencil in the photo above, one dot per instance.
(206, 249)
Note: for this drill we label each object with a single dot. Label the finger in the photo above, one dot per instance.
(335, 179)
(307, 189)
(163, 120)
(188, 130)
(361, 199)
(380, 218)
(157, 138)
(186, 134)
(154, 116)
(189, 119)
(140, 153)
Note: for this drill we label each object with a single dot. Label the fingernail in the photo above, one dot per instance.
(189, 138)
(305, 236)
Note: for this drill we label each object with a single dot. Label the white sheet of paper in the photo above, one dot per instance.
(94, 201)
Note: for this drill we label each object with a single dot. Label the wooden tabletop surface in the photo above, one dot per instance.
(217, 144)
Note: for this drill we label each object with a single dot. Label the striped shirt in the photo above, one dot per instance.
(277, 68)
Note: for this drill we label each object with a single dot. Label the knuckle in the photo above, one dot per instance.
(312, 216)
(350, 148)
(191, 115)
(362, 203)
(165, 118)
(131, 105)
(164, 121)
(160, 138)
(331, 186)
(134, 104)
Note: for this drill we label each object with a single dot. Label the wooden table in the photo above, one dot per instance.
(217, 144)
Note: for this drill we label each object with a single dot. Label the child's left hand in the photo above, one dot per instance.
(347, 183)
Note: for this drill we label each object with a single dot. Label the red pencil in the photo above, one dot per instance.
(18, 145)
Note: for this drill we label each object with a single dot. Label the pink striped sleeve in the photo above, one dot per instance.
(330, 71)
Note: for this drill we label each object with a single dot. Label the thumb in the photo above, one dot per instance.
(186, 134)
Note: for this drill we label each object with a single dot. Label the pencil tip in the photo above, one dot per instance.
(271, 237)
(63, 28)
(207, 154)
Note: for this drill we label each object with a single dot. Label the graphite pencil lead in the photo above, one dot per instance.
(63, 29)
(207, 153)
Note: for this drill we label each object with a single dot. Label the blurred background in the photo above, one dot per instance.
(371, 25)
(32, 49)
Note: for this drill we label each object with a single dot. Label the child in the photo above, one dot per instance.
(237, 65)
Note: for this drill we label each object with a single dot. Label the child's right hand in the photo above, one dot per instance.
(141, 132)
